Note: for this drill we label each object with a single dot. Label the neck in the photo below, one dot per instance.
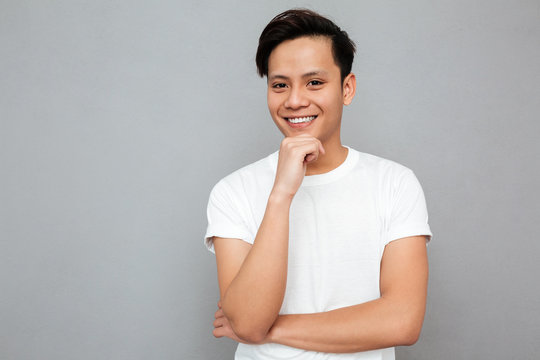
(335, 156)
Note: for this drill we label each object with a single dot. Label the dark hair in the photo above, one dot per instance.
(296, 23)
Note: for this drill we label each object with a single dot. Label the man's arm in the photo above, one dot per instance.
(394, 319)
(252, 278)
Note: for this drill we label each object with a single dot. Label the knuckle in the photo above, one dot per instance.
(297, 151)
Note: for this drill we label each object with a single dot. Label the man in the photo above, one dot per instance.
(320, 248)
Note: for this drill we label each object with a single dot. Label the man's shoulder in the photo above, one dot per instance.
(255, 168)
(257, 172)
(381, 165)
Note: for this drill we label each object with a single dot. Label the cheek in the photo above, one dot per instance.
(273, 103)
(330, 98)
(335, 102)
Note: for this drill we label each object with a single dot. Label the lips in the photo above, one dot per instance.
(300, 119)
(300, 122)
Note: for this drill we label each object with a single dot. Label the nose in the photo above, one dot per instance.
(296, 99)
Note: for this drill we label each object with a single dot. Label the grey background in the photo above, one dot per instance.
(117, 118)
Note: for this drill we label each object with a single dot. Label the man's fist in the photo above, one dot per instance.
(294, 154)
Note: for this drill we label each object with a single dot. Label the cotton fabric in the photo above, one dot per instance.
(339, 225)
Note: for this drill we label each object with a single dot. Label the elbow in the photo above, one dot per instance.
(250, 335)
(246, 328)
(409, 319)
(409, 332)
(410, 337)
(248, 331)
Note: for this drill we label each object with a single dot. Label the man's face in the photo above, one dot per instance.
(305, 92)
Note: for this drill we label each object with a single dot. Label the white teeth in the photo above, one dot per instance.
(301, 119)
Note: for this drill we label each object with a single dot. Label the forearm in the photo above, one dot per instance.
(372, 325)
(253, 299)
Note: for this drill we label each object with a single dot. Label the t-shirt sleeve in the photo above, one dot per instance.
(408, 215)
(224, 216)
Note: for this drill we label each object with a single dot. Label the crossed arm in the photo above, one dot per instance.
(252, 280)
(251, 296)
(393, 319)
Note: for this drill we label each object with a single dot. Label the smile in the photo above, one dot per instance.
(297, 120)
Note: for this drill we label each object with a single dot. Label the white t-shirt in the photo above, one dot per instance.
(339, 224)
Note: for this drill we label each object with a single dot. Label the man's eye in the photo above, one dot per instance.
(315, 82)
(279, 86)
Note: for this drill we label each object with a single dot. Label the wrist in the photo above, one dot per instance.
(280, 198)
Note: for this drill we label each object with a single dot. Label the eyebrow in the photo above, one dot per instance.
(308, 74)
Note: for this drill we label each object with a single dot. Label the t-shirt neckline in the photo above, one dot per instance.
(319, 179)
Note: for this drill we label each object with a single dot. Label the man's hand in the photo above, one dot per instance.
(222, 328)
(294, 155)
(252, 280)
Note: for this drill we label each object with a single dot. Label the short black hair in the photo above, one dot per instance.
(296, 23)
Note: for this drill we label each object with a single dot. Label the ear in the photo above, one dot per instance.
(349, 88)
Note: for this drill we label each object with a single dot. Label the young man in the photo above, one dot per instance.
(320, 248)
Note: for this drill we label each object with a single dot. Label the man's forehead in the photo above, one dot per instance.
(306, 43)
(302, 57)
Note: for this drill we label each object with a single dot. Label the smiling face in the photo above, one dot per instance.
(305, 92)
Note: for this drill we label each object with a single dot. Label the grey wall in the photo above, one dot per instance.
(117, 118)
